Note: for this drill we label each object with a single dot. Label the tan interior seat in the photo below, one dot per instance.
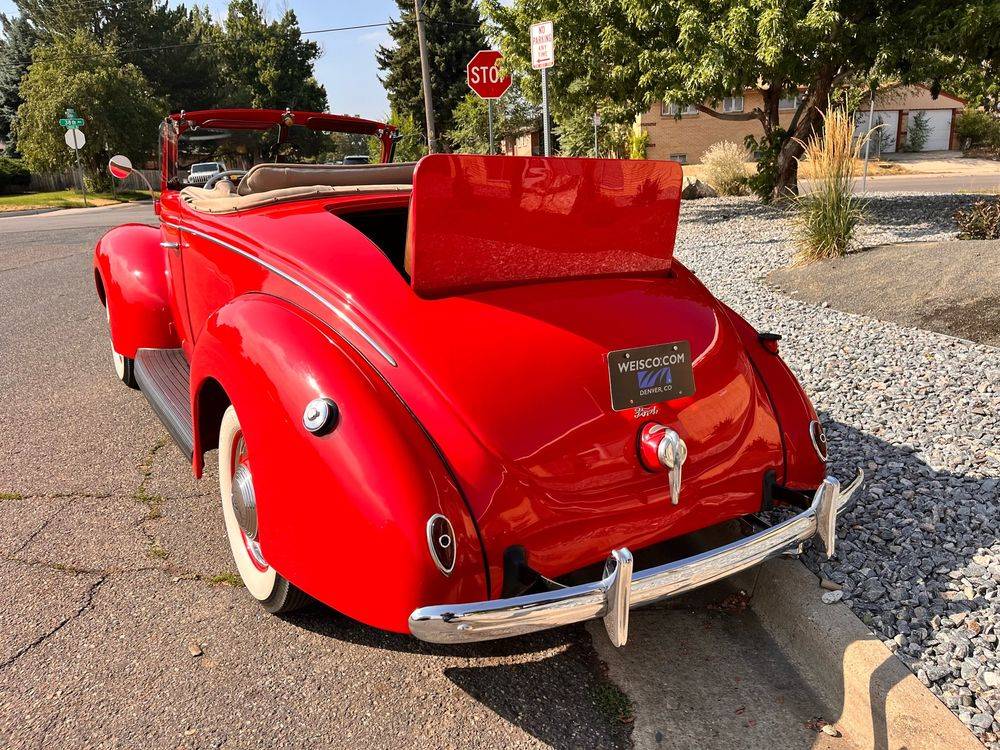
(263, 178)
(224, 201)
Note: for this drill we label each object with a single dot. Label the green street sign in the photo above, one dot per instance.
(71, 122)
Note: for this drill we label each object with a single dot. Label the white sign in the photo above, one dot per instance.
(74, 138)
(543, 46)
(597, 119)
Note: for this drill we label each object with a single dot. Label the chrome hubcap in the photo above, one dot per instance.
(244, 502)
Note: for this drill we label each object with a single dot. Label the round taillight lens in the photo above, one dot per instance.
(441, 541)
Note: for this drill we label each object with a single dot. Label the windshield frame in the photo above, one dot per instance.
(261, 120)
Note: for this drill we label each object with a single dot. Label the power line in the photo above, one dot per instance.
(204, 43)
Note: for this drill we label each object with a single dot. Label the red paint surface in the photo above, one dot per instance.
(498, 411)
(482, 221)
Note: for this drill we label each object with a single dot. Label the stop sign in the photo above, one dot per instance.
(484, 75)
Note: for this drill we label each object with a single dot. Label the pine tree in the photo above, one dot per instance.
(454, 34)
(15, 56)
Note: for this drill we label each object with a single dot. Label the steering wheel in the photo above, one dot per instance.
(227, 175)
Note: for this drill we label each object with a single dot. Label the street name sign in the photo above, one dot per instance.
(543, 46)
(483, 74)
(71, 122)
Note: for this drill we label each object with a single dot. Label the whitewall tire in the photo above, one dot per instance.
(124, 366)
(239, 504)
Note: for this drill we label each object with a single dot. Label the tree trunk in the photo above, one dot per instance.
(787, 183)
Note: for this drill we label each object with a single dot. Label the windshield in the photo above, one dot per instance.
(201, 150)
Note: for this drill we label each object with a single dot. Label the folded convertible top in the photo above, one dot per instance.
(483, 221)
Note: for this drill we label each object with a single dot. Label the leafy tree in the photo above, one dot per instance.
(176, 49)
(634, 52)
(512, 114)
(15, 56)
(411, 143)
(115, 99)
(454, 34)
(268, 64)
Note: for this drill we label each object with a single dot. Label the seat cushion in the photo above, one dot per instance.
(210, 201)
(266, 177)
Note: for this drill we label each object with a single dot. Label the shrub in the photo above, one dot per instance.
(14, 177)
(828, 216)
(978, 129)
(917, 132)
(726, 168)
(766, 152)
(980, 222)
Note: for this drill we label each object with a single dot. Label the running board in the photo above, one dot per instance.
(164, 376)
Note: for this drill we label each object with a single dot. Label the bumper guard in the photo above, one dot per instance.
(612, 597)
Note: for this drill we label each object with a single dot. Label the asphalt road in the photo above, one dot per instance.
(928, 183)
(114, 564)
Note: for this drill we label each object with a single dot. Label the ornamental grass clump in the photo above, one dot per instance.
(828, 216)
(726, 168)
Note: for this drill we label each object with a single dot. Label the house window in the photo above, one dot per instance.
(788, 102)
(732, 104)
(669, 109)
(679, 158)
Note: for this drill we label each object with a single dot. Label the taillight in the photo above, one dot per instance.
(441, 541)
(769, 341)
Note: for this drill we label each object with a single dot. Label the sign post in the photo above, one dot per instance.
(543, 57)
(597, 121)
(75, 140)
(483, 76)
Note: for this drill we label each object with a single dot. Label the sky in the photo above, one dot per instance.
(347, 67)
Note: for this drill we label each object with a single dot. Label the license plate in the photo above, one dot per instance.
(650, 374)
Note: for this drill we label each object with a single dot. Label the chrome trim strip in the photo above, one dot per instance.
(607, 598)
(292, 280)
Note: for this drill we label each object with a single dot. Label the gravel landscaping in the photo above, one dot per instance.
(919, 553)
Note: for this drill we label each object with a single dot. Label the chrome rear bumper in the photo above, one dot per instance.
(620, 589)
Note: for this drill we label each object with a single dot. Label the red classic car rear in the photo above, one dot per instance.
(437, 389)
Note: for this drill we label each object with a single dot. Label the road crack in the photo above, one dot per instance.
(85, 605)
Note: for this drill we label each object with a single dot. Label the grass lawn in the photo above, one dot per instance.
(64, 199)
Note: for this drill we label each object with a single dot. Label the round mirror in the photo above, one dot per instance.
(120, 166)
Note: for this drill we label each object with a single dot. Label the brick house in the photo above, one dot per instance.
(684, 134)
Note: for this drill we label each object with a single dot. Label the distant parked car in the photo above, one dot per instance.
(357, 159)
(203, 172)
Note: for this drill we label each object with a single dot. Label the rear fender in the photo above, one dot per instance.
(804, 470)
(130, 270)
(344, 515)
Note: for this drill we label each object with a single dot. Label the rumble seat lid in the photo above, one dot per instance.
(484, 221)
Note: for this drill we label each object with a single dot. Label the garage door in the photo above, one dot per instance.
(939, 126)
(884, 138)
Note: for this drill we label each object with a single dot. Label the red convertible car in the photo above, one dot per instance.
(440, 392)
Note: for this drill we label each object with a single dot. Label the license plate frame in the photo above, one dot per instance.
(646, 375)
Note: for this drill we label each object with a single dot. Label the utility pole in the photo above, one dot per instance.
(425, 75)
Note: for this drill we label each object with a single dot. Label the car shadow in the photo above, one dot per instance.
(905, 560)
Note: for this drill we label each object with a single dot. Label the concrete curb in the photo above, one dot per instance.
(881, 703)
(50, 210)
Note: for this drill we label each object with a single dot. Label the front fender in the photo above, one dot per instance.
(130, 270)
(343, 516)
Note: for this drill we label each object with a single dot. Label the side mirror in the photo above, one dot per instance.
(120, 167)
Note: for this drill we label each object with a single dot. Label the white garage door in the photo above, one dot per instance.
(884, 138)
(939, 127)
